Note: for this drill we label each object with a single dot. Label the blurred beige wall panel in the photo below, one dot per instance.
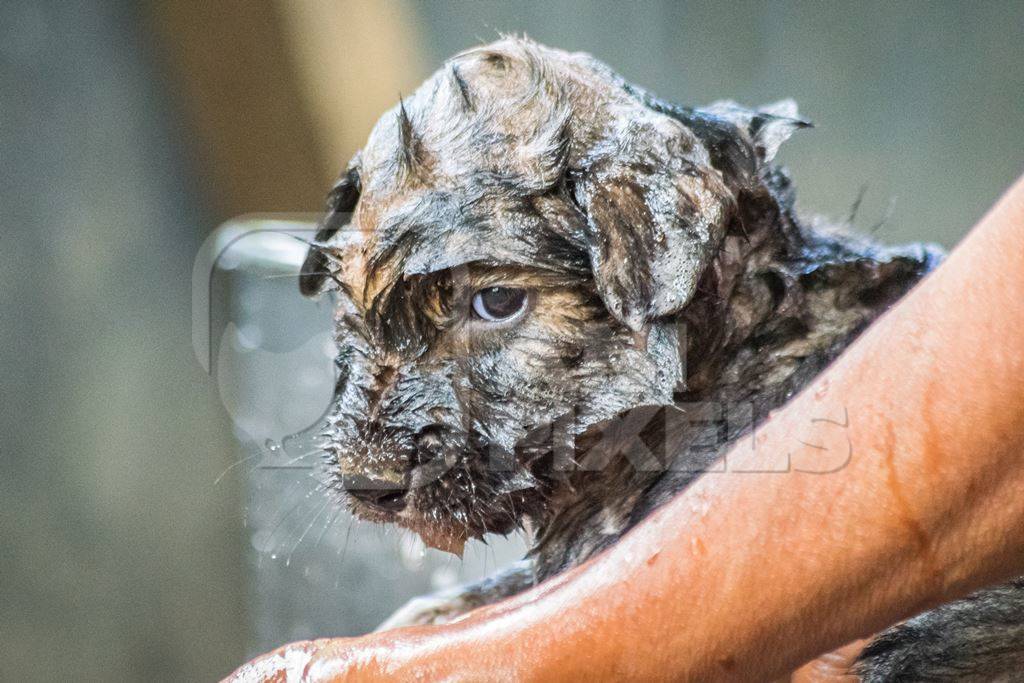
(231, 71)
(355, 57)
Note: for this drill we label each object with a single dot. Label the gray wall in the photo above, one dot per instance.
(120, 557)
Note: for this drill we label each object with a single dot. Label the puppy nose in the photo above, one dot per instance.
(377, 493)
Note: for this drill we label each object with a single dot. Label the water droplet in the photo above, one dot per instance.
(699, 504)
(412, 551)
(821, 390)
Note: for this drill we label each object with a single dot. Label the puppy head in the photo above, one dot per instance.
(528, 225)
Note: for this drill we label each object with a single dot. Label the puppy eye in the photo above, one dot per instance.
(498, 304)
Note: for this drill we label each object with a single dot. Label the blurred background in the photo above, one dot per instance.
(141, 537)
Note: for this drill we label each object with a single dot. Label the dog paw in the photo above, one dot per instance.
(426, 610)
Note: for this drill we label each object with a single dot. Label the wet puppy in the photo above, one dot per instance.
(558, 299)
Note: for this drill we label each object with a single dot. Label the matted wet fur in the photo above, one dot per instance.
(670, 299)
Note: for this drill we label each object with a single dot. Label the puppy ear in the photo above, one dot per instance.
(658, 202)
(740, 140)
(341, 201)
(766, 127)
(647, 239)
